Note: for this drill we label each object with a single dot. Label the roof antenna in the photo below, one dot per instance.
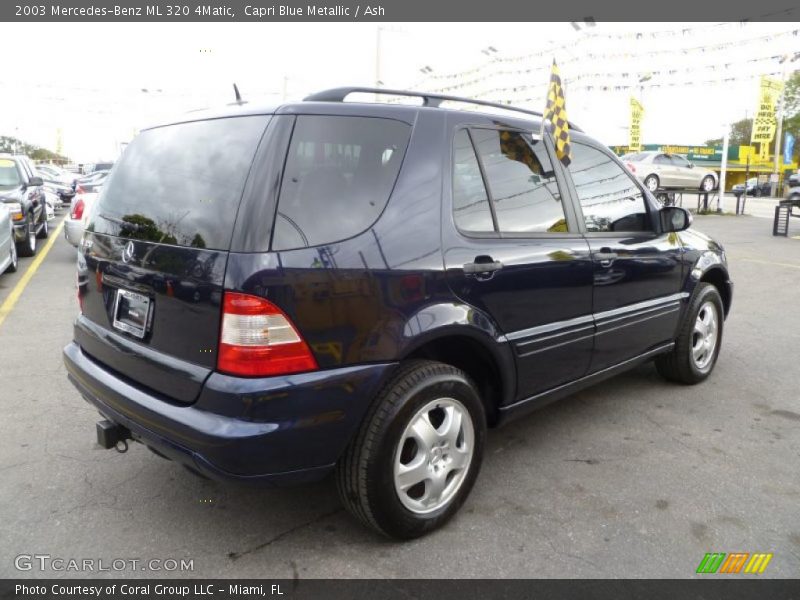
(238, 95)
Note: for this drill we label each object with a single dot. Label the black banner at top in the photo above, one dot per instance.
(578, 11)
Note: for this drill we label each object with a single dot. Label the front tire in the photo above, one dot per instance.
(699, 339)
(418, 452)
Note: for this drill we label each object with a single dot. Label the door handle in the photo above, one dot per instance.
(483, 267)
(605, 256)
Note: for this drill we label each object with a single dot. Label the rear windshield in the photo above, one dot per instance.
(180, 184)
(9, 176)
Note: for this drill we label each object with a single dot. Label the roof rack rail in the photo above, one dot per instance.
(428, 99)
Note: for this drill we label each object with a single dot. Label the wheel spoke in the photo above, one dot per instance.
(434, 488)
(451, 428)
(458, 460)
(425, 433)
(698, 350)
(408, 476)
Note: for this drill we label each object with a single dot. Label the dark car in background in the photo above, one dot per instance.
(22, 192)
(274, 294)
(754, 187)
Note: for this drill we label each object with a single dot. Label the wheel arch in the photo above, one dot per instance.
(488, 362)
(718, 277)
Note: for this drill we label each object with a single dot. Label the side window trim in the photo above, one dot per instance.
(486, 186)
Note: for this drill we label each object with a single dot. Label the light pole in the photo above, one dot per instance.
(776, 166)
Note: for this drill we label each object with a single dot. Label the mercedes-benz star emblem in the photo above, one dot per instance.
(127, 253)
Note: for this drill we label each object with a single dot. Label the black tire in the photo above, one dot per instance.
(649, 186)
(44, 230)
(679, 365)
(27, 247)
(365, 473)
(757, 193)
(703, 183)
(12, 266)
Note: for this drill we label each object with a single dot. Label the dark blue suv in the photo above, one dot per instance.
(275, 294)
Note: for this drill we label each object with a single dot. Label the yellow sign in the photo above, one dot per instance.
(637, 112)
(765, 123)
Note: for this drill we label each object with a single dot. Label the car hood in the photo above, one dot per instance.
(700, 241)
(14, 195)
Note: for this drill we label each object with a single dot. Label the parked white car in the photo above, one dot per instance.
(79, 211)
(8, 246)
(659, 170)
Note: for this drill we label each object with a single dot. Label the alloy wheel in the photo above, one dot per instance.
(433, 455)
(705, 336)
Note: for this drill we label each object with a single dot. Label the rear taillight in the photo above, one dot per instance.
(258, 340)
(77, 209)
(631, 168)
(79, 189)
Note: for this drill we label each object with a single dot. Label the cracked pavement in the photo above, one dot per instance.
(632, 478)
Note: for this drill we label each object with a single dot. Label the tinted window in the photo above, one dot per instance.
(338, 177)
(521, 182)
(470, 202)
(679, 161)
(609, 198)
(9, 176)
(180, 184)
(662, 159)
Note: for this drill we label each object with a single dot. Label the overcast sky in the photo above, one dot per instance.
(87, 80)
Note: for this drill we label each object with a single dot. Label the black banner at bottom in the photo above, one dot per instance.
(718, 588)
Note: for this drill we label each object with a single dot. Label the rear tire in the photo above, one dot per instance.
(427, 426)
(707, 185)
(651, 182)
(699, 339)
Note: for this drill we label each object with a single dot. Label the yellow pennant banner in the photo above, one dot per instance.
(637, 112)
(765, 122)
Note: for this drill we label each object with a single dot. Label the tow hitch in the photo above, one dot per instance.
(110, 435)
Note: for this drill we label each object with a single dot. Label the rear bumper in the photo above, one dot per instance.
(277, 430)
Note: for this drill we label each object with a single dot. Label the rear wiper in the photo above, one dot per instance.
(121, 222)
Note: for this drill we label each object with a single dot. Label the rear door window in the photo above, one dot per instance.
(180, 184)
(339, 174)
(521, 180)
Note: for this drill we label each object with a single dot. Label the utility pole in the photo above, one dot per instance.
(724, 168)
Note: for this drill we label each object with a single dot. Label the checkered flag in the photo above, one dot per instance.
(556, 113)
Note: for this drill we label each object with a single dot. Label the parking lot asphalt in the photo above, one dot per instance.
(635, 477)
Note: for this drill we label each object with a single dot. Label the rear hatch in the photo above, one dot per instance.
(152, 261)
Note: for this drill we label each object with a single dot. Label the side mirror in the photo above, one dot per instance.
(35, 181)
(675, 218)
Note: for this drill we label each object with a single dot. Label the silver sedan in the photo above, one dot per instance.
(659, 170)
